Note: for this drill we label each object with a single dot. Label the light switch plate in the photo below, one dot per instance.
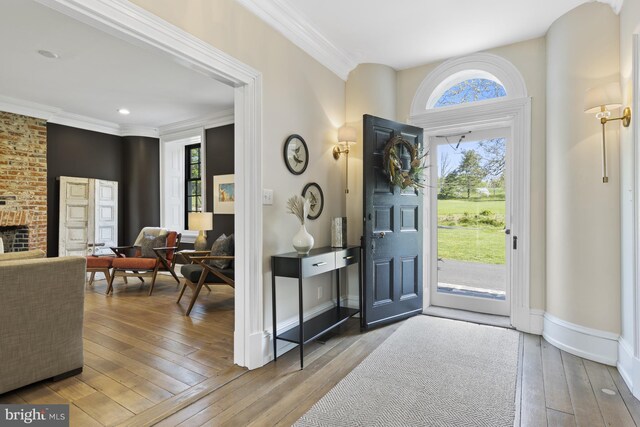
(267, 196)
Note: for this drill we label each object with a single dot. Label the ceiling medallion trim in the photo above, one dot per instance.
(301, 32)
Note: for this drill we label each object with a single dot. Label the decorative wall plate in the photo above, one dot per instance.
(313, 193)
(296, 154)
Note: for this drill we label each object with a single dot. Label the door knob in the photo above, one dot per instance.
(379, 235)
(507, 231)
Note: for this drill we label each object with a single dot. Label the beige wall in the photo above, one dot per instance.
(300, 96)
(629, 25)
(583, 214)
(529, 58)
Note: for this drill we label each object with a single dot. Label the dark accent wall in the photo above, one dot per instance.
(220, 161)
(131, 161)
(80, 153)
(141, 175)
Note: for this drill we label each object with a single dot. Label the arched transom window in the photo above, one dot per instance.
(470, 90)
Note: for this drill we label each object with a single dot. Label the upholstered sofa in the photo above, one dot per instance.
(41, 312)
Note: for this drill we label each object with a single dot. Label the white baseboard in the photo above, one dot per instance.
(593, 344)
(629, 367)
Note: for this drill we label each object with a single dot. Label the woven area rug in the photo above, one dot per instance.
(430, 372)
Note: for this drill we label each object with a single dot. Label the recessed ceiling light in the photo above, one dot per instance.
(48, 54)
(124, 111)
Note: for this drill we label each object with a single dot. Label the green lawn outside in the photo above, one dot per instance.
(475, 237)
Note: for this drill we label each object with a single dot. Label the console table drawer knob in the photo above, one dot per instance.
(319, 264)
(348, 257)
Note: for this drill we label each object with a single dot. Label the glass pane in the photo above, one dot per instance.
(471, 218)
(198, 203)
(195, 171)
(195, 155)
(194, 188)
(470, 91)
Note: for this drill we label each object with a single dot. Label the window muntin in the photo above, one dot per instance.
(471, 90)
(193, 181)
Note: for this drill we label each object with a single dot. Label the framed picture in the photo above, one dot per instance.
(296, 154)
(314, 194)
(223, 194)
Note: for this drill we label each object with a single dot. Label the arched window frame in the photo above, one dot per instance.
(453, 71)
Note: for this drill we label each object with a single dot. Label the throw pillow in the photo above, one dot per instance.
(149, 242)
(221, 247)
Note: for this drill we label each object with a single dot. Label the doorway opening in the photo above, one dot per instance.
(470, 222)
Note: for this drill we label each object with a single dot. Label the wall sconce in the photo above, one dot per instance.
(346, 137)
(601, 100)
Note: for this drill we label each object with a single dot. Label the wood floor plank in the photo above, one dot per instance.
(170, 368)
(167, 382)
(585, 405)
(193, 394)
(138, 384)
(560, 419)
(153, 349)
(119, 393)
(11, 398)
(71, 388)
(40, 394)
(533, 411)
(79, 418)
(614, 411)
(556, 389)
(633, 404)
(101, 408)
(237, 389)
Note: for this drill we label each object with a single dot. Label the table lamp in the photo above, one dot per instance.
(200, 221)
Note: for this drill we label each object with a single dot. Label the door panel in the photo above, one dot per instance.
(392, 238)
(75, 217)
(106, 215)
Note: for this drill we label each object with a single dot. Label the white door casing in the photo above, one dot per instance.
(75, 216)
(136, 25)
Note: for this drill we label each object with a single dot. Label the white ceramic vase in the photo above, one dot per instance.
(303, 241)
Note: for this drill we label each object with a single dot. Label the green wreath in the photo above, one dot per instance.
(392, 164)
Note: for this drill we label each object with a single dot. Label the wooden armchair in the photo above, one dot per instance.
(200, 273)
(138, 266)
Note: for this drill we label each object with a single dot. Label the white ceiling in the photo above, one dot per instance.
(96, 73)
(407, 33)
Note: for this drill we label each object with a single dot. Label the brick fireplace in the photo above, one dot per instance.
(23, 180)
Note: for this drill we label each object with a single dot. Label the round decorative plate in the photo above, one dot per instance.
(313, 193)
(296, 154)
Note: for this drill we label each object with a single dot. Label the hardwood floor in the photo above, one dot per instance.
(147, 364)
(559, 389)
(143, 358)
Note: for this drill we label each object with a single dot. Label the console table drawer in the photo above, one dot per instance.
(318, 264)
(347, 257)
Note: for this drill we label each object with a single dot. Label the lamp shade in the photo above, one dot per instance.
(200, 221)
(608, 96)
(347, 134)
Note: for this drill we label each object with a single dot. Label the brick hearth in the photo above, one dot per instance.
(23, 176)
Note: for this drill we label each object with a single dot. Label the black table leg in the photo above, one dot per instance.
(338, 287)
(273, 308)
(301, 323)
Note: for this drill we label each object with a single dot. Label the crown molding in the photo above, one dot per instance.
(299, 30)
(616, 5)
(220, 118)
(133, 130)
(27, 108)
